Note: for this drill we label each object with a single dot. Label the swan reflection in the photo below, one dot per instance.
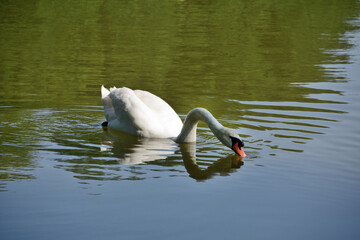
(131, 150)
(223, 166)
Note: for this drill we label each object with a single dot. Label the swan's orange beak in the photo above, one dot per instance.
(239, 150)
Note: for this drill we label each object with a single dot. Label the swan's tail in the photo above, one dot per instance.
(107, 102)
(104, 92)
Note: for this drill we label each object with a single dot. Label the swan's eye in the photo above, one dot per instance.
(237, 140)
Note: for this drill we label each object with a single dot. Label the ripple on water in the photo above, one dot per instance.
(72, 138)
(285, 126)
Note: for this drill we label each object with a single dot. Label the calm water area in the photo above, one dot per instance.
(284, 74)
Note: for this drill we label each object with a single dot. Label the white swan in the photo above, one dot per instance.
(143, 114)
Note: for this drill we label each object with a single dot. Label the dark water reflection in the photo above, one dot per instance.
(252, 65)
(223, 166)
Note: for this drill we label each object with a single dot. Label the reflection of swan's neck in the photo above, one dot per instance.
(188, 132)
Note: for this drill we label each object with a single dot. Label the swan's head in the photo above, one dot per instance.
(232, 140)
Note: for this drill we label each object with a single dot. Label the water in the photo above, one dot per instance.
(284, 74)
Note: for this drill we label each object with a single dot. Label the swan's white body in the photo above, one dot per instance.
(143, 114)
(139, 113)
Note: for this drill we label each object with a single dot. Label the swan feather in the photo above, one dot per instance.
(139, 113)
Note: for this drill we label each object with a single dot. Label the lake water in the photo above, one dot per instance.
(284, 74)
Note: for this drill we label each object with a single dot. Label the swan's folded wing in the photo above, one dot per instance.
(133, 116)
(140, 113)
(165, 115)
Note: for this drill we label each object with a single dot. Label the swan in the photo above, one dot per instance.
(144, 114)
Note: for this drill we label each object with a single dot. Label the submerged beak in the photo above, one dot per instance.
(238, 150)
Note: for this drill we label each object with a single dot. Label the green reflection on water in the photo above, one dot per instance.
(184, 51)
(213, 54)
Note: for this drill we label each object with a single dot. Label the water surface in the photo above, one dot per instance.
(285, 75)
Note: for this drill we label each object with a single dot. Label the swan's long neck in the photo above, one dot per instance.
(188, 132)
